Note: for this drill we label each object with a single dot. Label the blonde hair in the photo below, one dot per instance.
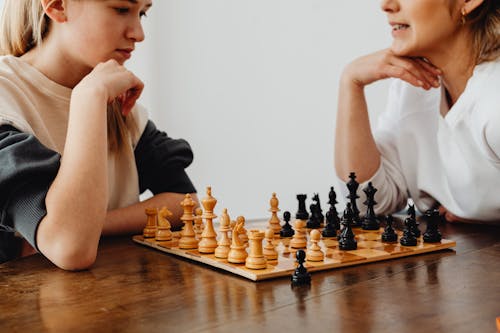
(23, 27)
(484, 23)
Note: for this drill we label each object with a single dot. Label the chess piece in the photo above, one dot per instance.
(150, 229)
(332, 217)
(314, 252)
(353, 185)
(188, 239)
(432, 234)
(408, 238)
(208, 241)
(269, 249)
(287, 230)
(223, 246)
(300, 275)
(237, 252)
(256, 258)
(198, 222)
(389, 235)
(302, 213)
(314, 219)
(163, 232)
(274, 221)
(414, 226)
(319, 211)
(370, 221)
(299, 240)
(347, 240)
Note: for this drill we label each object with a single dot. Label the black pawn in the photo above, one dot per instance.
(302, 213)
(353, 185)
(287, 230)
(346, 238)
(370, 221)
(408, 238)
(414, 226)
(432, 234)
(389, 235)
(300, 275)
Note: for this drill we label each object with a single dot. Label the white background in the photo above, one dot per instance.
(252, 85)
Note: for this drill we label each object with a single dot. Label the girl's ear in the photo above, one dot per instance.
(470, 5)
(55, 10)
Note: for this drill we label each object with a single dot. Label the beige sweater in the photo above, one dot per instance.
(34, 104)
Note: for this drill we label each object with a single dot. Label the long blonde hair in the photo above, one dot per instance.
(484, 23)
(23, 27)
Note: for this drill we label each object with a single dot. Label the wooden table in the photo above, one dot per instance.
(136, 289)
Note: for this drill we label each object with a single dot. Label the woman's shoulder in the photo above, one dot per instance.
(485, 83)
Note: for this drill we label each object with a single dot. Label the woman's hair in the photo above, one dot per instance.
(23, 27)
(484, 23)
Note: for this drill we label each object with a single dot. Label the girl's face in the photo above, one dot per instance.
(99, 30)
(420, 27)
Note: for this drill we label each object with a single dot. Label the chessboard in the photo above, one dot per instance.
(370, 249)
(259, 254)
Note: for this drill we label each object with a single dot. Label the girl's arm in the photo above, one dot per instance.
(355, 147)
(132, 219)
(69, 234)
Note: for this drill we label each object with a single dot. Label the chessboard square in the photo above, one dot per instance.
(368, 244)
(393, 248)
(373, 236)
(330, 242)
(368, 253)
(343, 256)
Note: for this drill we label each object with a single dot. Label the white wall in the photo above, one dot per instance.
(252, 85)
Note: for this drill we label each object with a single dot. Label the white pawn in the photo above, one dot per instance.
(314, 252)
(299, 240)
(269, 250)
(224, 244)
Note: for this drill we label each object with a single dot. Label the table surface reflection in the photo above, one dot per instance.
(132, 288)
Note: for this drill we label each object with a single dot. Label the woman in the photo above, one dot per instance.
(439, 140)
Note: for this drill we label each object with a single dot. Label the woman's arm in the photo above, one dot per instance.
(355, 147)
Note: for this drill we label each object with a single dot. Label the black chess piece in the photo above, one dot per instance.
(300, 275)
(332, 213)
(432, 234)
(408, 238)
(319, 211)
(302, 213)
(353, 185)
(314, 218)
(389, 235)
(414, 226)
(346, 238)
(287, 230)
(370, 222)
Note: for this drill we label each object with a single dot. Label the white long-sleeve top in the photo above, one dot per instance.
(453, 160)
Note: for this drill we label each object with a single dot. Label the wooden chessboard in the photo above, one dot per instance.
(370, 249)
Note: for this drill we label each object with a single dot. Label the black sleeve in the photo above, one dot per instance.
(161, 161)
(27, 168)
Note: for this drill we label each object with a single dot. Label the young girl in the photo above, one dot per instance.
(75, 150)
(439, 140)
